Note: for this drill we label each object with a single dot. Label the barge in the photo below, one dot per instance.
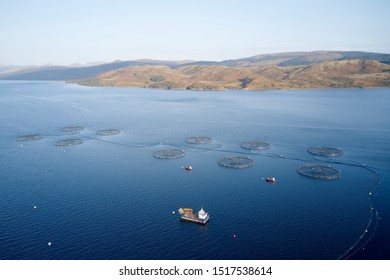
(187, 214)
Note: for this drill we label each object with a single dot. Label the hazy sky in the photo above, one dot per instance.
(66, 32)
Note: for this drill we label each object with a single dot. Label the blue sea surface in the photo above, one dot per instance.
(109, 198)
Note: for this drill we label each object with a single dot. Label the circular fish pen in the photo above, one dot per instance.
(75, 128)
(169, 154)
(318, 171)
(69, 142)
(236, 162)
(26, 138)
(255, 145)
(325, 151)
(108, 132)
(199, 140)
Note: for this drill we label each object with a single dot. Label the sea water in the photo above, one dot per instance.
(109, 198)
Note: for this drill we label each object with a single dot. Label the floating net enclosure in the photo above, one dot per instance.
(32, 137)
(169, 154)
(107, 132)
(236, 162)
(69, 142)
(325, 151)
(318, 171)
(199, 140)
(75, 128)
(255, 145)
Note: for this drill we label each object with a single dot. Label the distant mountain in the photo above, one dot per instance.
(279, 70)
(333, 74)
(63, 73)
(7, 69)
(304, 58)
(296, 59)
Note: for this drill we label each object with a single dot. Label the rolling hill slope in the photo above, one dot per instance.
(291, 70)
(339, 74)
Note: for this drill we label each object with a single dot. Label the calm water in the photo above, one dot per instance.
(109, 198)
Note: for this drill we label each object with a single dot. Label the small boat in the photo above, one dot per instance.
(271, 179)
(188, 167)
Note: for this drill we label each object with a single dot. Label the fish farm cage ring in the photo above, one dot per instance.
(199, 140)
(325, 151)
(318, 171)
(75, 128)
(255, 145)
(107, 132)
(169, 154)
(69, 142)
(26, 138)
(236, 162)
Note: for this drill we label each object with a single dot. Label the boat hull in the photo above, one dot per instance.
(194, 219)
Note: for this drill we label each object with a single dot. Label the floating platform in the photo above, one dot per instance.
(187, 214)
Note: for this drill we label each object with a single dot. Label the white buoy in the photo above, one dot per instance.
(234, 235)
(366, 230)
(21, 145)
(35, 207)
(49, 244)
(173, 212)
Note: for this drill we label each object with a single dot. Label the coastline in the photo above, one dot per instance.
(224, 89)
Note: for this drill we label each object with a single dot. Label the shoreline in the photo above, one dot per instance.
(220, 90)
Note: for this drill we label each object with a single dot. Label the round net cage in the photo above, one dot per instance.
(107, 132)
(318, 171)
(255, 145)
(199, 140)
(169, 154)
(236, 162)
(325, 151)
(32, 137)
(75, 128)
(69, 142)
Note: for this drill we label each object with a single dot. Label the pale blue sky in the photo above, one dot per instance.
(66, 32)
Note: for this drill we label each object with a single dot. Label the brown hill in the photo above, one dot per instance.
(345, 73)
(66, 73)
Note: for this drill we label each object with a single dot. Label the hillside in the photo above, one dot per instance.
(330, 74)
(298, 58)
(63, 73)
(66, 73)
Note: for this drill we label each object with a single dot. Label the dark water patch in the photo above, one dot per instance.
(199, 140)
(31, 137)
(75, 128)
(69, 142)
(236, 162)
(108, 132)
(169, 154)
(318, 171)
(325, 151)
(255, 145)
